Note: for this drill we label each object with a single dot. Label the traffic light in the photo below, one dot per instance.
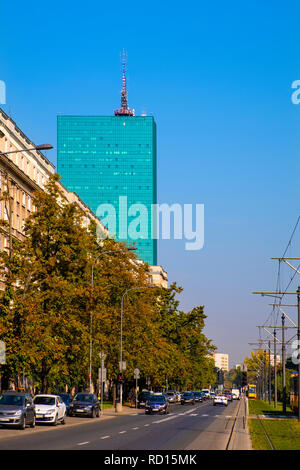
(120, 378)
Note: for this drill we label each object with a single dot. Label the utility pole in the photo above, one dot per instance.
(270, 377)
(283, 366)
(298, 337)
(275, 371)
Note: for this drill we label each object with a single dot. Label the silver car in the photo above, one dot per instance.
(16, 410)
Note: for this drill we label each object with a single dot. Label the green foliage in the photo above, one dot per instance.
(51, 310)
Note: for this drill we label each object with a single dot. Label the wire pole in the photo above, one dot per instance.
(283, 368)
(298, 337)
(275, 371)
(270, 376)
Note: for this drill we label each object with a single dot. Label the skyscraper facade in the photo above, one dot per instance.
(105, 158)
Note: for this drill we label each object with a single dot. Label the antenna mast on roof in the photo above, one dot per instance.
(124, 110)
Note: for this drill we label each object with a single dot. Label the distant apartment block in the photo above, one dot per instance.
(221, 361)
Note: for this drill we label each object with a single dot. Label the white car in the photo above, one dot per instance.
(49, 409)
(220, 400)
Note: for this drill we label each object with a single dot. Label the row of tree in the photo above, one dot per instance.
(50, 309)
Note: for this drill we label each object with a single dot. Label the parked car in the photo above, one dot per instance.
(66, 398)
(16, 410)
(156, 404)
(198, 396)
(172, 398)
(85, 404)
(142, 398)
(178, 396)
(212, 395)
(188, 397)
(49, 409)
(220, 400)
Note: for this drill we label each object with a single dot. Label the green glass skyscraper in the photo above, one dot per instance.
(111, 160)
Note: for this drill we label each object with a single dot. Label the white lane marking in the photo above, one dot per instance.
(135, 428)
(166, 419)
(194, 414)
(204, 415)
(104, 437)
(146, 425)
(122, 432)
(83, 443)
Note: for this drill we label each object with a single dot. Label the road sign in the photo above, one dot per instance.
(136, 373)
(2, 352)
(122, 366)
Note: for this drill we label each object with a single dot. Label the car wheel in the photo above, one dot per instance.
(23, 423)
(33, 423)
(55, 421)
(93, 415)
(98, 413)
(63, 421)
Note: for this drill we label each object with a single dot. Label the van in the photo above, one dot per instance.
(235, 394)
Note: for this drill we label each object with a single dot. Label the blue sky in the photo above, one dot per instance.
(217, 77)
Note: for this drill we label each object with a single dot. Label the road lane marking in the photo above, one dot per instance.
(135, 428)
(204, 415)
(122, 432)
(146, 425)
(104, 437)
(83, 443)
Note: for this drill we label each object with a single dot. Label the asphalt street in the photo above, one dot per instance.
(190, 427)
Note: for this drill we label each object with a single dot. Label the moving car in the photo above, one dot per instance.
(16, 410)
(66, 398)
(142, 398)
(220, 400)
(156, 404)
(206, 392)
(49, 409)
(85, 404)
(235, 394)
(188, 397)
(172, 397)
(228, 394)
(198, 396)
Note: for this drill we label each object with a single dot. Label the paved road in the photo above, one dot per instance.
(198, 427)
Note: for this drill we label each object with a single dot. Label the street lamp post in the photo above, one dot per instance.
(131, 248)
(37, 147)
(121, 336)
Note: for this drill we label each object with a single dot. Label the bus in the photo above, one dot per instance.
(251, 392)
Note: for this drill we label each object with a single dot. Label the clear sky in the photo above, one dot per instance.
(217, 78)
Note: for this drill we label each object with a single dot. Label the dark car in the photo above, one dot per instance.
(188, 397)
(142, 398)
(16, 410)
(198, 396)
(157, 404)
(228, 395)
(85, 404)
(66, 398)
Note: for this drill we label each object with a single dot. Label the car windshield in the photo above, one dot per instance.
(170, 394)
(188, 395)
(65, 398)
(83, 397)
(157, 399)
(44, 400)
(16, 400)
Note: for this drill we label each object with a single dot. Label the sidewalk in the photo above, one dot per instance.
(241, 436)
